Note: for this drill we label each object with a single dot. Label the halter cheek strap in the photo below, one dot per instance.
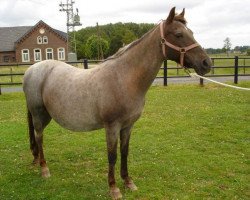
(182, 50)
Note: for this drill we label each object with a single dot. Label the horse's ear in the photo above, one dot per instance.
(183, 12)
(171, 16)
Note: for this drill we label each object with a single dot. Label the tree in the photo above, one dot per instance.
(115, 44)
(248, 52)
(227, 45)
(94, 45)
(128, 37)
(117, 35)
(80, 49)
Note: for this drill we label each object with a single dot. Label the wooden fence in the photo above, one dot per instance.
(244, 70)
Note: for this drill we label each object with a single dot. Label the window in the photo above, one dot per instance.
(61, 53)
(42, 40)
(6, 58)
(25, 55)
(39, 40)
(45, 40)
(37, 55)
(49, 54)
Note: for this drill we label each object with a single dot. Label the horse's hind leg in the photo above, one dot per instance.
(38, 120)
(124, 148)
(33, 143)
(44, 167)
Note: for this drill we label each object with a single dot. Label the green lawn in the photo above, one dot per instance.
(191, 142)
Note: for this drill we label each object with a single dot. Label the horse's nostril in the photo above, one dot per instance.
(205, 63)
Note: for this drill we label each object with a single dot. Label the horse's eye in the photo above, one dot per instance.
(178, 35)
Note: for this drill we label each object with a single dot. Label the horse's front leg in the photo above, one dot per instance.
(112, 135)
(124, 148)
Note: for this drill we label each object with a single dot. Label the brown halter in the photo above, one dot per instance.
(182, 50)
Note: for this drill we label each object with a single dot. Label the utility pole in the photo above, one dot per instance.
(99, 46)
(72, 21)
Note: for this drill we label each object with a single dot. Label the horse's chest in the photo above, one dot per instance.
(131, 118)
(126, 113)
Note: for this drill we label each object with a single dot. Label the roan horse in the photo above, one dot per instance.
(109, 96)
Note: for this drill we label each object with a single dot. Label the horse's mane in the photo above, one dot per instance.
(124, 49)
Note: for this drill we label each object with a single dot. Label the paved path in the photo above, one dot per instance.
(190, 80)
(11, 89)
(158, 81)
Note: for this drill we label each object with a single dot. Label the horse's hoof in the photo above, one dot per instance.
(130, 185)
(45, 172)
(115, 193)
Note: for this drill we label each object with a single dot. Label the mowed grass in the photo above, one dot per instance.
(191, 142)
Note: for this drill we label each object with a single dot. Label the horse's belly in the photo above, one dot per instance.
(78, 124)
(74, 115)
(80, 127)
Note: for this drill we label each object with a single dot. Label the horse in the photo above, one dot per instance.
(109, 96)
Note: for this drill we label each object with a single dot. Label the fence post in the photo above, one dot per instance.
(236, 69)
(11, 77)
(85, 63)
(212, 66)
(0, 89)
(201, 82)
(165, 73)
(244, 66)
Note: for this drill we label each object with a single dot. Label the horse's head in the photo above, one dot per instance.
(179, 44)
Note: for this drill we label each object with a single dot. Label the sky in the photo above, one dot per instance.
(210, 20)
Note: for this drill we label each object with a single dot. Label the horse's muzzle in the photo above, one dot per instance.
(206, 66)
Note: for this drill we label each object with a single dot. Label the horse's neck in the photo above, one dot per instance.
(142, 62)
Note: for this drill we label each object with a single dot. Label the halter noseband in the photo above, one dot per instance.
(182, 50)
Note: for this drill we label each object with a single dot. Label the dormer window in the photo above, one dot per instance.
(39, 40)
(42, 40)
(45, 40)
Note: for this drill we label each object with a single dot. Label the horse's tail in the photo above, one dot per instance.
(31, 131)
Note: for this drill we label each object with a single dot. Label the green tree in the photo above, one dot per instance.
(115, 44)
(128, 37)
(248, 52)
(80, 49)
(227, 45)
(96, 47)
(116, 35)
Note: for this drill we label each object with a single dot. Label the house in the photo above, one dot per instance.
(29, 44)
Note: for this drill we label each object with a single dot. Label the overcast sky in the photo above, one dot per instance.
(211, 20)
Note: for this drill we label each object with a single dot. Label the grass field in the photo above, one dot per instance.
(190, 143)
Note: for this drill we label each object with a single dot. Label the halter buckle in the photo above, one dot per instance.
(163, 41)
(182, 50)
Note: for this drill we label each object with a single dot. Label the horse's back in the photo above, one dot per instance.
(66, 92)
(37, 74)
